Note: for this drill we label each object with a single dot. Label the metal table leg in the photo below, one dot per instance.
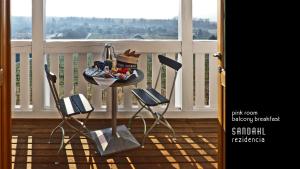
(114, 110)
(117, 138)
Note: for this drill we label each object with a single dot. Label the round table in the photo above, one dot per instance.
(118, 138)
(118, 83)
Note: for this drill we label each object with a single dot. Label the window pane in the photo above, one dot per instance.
(112, 19)
(205, 19)
(21, 22)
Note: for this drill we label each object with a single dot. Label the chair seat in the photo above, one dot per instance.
(75, 104)
(150, 97)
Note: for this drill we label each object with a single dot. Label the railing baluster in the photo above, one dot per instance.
(96, 92)
(54, 67)
(187, 82)
(24, 81)
(199, 80)
(68, 74)
(155, 71)
(127, 97)
(170, 74)
(47, 92)
(13, 80)
(82, 84)
(178, 85)
(142, 65)
(213, 90)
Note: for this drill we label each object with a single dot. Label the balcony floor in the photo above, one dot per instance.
(196, 146)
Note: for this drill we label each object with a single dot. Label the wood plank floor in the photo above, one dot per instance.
(195, 147)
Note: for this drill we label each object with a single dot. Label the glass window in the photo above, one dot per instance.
(205, 19)
(112, 19)
(21, 20)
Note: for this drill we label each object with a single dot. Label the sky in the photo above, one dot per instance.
(147, 9)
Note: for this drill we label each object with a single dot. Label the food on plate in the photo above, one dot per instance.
(122, 70)
(108, 75)
(122, 76)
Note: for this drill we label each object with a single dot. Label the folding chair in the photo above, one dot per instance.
(68, 107)
(150, 97)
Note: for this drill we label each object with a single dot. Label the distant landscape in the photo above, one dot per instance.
(108, 28)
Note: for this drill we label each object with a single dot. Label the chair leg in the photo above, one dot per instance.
(134, 116)
(77, 130)
(144, 122)
(70, 138)
(167, 124)
(62, 145)
(59, 126)
(83, 122)
(147, 133)
(54, 130)
(82, 125)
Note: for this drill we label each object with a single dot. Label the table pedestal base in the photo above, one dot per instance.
(107, 143)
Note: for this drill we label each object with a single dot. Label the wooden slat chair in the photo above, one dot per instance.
(68, 107)
(150, 97)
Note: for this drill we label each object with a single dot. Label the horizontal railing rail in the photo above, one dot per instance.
(69, 58)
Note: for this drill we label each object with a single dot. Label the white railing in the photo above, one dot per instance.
(68, 59)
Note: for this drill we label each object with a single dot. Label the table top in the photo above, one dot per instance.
(118, 83)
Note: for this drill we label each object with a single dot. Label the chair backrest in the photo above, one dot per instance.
(51, 77)
(169, 62)
(172, 64)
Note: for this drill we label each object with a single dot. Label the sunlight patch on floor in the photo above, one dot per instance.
(130, 162)
(206, 141)
(184, 153)
(14, 142)
(29, 152)
(70, 154)
(171, 159)
(196, 146)
(86, 148)
(112, 164)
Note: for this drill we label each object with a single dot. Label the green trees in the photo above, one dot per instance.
(109, 28)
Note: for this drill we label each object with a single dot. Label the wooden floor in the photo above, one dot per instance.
(196, 147)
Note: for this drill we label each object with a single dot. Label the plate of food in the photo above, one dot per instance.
(120, 74)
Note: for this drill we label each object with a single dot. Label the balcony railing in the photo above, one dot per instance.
(68, 59)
